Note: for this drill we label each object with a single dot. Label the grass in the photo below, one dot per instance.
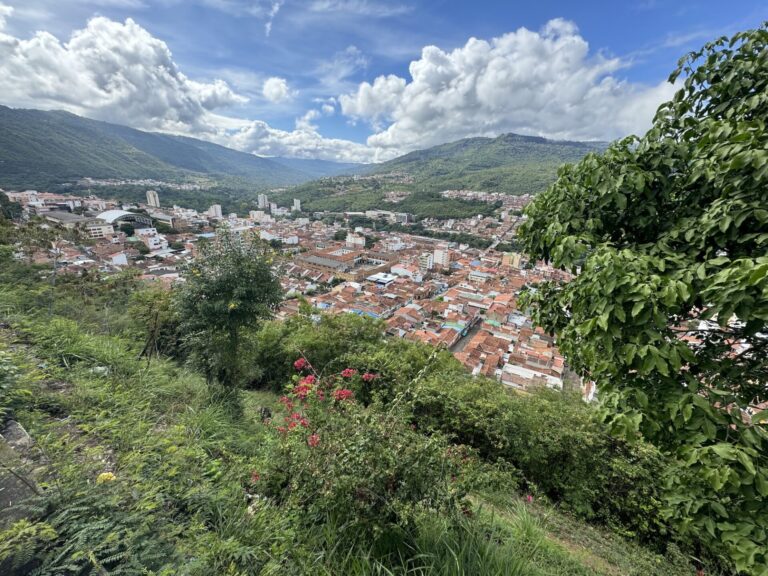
(178, 458)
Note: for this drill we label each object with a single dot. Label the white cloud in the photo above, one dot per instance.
(111, 71)
(304, 142)
(271, 14)
(120, 73)
(368, 8)
(276, 90)
(542, 83)
(5, 13)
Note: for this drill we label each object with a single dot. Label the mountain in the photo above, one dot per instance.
(321, 168)
(510, 163)
(41, 149)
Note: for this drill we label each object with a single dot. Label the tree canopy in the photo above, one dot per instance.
(229, 286)
(669, 313)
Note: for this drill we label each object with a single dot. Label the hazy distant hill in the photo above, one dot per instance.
(509, 163)
(39, 149)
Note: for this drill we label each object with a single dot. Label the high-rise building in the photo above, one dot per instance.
(263, 202)
(296, 205)
(442, 258)
(426, 262)
(215, 211)
(153, 199)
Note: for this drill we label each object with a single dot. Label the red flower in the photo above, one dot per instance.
(281, 429)
(255, 476)
(304, 422)
(343, 394)
(368, 377)
(300, 364)
(309, 380)
(292, 425)
(287, 402)
(301, 391)
(529, 498)
(348, 372)
(313, 440)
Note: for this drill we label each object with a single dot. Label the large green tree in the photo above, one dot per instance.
(669, 313)
(228, 288)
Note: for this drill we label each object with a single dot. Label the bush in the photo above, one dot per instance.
(366, 473)
(556, 443)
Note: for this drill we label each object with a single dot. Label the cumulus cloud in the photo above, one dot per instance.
(542, 83)
(276, 90)
(110, 71)
(304, 142)
(120, 73)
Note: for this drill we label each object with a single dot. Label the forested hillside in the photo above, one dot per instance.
(41, 149)
(510, 163)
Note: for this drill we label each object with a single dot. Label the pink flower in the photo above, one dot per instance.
(301, 391)
(343, 394)
(287, 402)
(368, 377)
(309, 379)
(313, 440)
(300, 364)
(348, 372)
(529, 498)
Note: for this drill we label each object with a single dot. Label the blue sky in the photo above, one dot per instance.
(299, 77)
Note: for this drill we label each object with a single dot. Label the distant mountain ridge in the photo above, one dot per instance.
(40, 149)
(509, 163)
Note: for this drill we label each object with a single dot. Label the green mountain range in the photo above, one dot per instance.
(44, 150)
(41, 149)
(510, 163)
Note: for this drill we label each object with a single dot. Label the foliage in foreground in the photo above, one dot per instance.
(147, 474)
(670, 313)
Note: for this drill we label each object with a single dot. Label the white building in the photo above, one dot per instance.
(214, 211)
(426, 261)
(98, 229)
(355, 241)
(296, 205)
(153, 199)
(152, 239)
(263, 202)
(442, 258)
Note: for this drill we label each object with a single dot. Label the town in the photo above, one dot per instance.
(442, 292)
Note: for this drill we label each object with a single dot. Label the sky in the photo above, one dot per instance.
(357, 80)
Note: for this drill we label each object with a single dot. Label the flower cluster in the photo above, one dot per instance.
(105, 477)
(369, 377)
(348, 372)
(313, 440)
(293, 420)
(300, 364)
(343, 394)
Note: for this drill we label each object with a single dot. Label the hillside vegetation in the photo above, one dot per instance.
(42, 149)
(379, 456)
(510, 163)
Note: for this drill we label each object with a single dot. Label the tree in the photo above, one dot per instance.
(227, 288)
(670, 312)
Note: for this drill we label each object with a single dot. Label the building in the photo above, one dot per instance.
(153, 199)
(442, 258)
(426, 262)
(263, 202)
(152, 239)
(355, 241)
(97, 229)
(296, 205)
(118, 217)
(215, 211)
